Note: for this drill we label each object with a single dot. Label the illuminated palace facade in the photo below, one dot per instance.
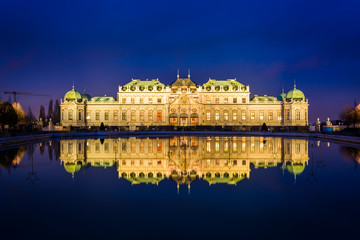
(186, 158)
(184, 103)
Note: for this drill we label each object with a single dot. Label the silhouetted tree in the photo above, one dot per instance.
(56, 112)
(50, 111)
(30, 116)
(264, 128)
(102, 127)
(42, 113)
(350, 115)
(8, 114)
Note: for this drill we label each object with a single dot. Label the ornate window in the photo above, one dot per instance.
(217, 116)
(297, 114)
(234, 115)
(142, 113)
(226, 100)
(106, 117)
(279, 115)
(208, 115)
(271, 116)
(243, 115)
(159, 100)
(116, 115)
(123, 116)
(234, 100)
(133, 115)
(70, 115)
(132, 100)
(123, 100)
(150, 100)
(261, 115)
(226, 115)
(97, 116)
(150, 116)
(159, 115)
(252, 115)
(217, 100)
(88, 114)
(243, 100)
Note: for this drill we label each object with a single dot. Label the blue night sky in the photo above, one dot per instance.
(46, 45)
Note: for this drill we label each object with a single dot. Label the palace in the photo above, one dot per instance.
(184, 103)
(187, 158)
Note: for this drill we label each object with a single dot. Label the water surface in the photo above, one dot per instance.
(181, 187)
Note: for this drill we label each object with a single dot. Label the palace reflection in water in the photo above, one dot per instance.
(185, 158)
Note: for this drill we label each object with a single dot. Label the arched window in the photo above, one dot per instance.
(159, 115)
(297, 114)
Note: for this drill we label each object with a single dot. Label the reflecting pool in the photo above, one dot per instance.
(181, 187)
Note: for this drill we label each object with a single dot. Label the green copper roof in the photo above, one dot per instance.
(103, 99)
(295, 94)
(296, 168)
(231, 84)
(263, 98)
(151, 180)
(73, 95)
(143, 84)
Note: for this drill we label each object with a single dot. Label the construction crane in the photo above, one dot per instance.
(25, 93)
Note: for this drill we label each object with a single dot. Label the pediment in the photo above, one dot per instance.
(184, 99)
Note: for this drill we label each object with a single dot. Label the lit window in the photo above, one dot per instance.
(243, 147)
(243, 100)
(279, 115)
(142, 147)
(217, 146)
(150, 147)
(226, 146)
(261, 115)
(208, 146)
(116, 115)
(132, 100)
(159, 146)
(234, 146)
(132, 115)
(217, 116)
(142, 113)
(159, 100)
(234, 100)
(123, 100)
(208, 100)
(271, 117)
(234, 115)
(208, 116)
(226, 116)
(151, 115)
(159, 115)
(252, 115)
(88, 115)
(243, 115)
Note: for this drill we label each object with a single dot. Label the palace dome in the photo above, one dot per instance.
(72, 168)
(295, 94)
(73, 95)
(86, 96)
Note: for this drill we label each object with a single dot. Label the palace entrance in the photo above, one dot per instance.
(194, 119)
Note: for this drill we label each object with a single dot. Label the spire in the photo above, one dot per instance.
(177, 76)
(189, 73)
(73, 86)
(294, 83)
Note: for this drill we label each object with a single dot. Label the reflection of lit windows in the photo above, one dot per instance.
(252, 147)
(226, 146)
(159, 146)
(208, 163)
(159, 100)
(208, 100)
(261, 115)
(208, 146)
(261, 147)
(217, 162)
(217, 116)
(150, 147)
(270, 146)
(244, 162)
(243, 147)
(235, 162)
(97, 147)
(297, 148)
(150, 162)
(106, 147)
(252, 115)
(217, 146)
(142, 147)
(132, 162)
(123, 146)
(234, 147)
(217, 100)
(159, 162)
(132, 147)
